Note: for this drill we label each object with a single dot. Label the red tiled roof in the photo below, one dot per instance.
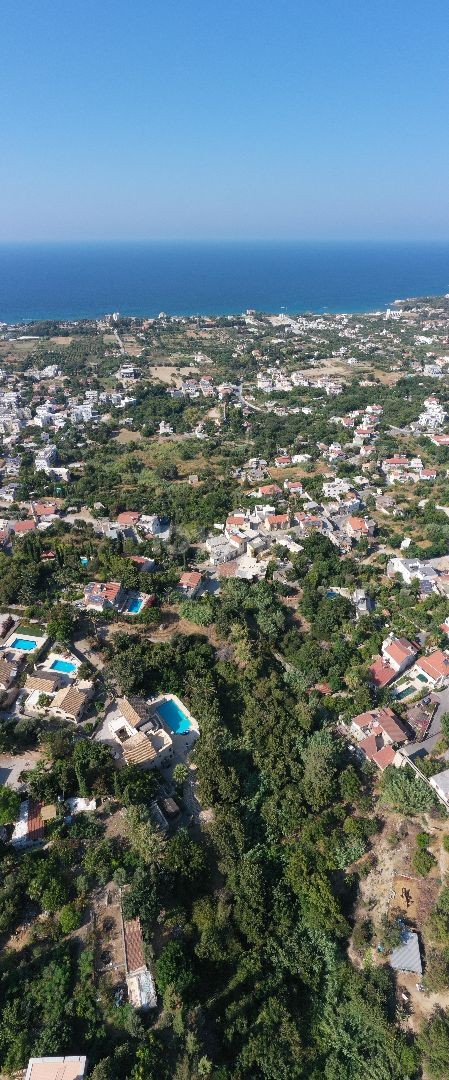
(128, 517)
(235, 519)
(35, 822)
(134, 953)
(270, 489)
(24, 526)
(190, 579)
(107, 590)
(436, 665)
(384, 757)
(45, 510)
(358, 524)
(369, 746)
(139, 560)
(227, 569)
(392, 726)
(381, 673)
(400, 650)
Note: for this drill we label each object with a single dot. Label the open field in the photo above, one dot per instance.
(126, 436)
(169, 373)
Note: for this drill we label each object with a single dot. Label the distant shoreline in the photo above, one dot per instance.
(41, 282)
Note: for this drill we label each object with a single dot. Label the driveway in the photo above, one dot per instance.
(11, 767)
(434, 733)
(104, 735)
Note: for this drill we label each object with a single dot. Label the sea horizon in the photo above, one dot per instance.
(70, 280)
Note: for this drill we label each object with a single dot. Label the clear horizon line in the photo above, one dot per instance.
(223, 240)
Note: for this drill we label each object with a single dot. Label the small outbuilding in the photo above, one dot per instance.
(407, 955)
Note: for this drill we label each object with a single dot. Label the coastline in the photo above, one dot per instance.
(71, 282)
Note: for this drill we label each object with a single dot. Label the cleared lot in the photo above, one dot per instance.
(11, 767)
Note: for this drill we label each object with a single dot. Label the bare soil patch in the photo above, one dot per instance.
(126, 436)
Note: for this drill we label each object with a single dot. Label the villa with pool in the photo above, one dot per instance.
(20, 644)
(111, 596)
(153, 733)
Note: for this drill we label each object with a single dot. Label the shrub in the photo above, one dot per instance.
(423, 840)
(69, 918)
(423, 861)
(362, 935)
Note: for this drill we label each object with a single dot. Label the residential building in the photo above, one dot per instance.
(358, 528)
(440, 781)
(8, 673)
(189, 583)
(277, 522)
(434, 668)
(412, 569)
(70, 703)
(143, 740)
(101, 595)
(56, 1068)
(378, 732)
(128, 518)
(139, 981)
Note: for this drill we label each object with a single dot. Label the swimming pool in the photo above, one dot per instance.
(26, 644)
(84, 560)
(62, 665)
(407, 690)
(134, 606)
(175, 717)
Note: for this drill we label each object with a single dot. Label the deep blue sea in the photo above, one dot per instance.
(71, 281)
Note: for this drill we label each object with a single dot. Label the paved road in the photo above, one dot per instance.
(248, 404)
(119, 342)
(434, 734)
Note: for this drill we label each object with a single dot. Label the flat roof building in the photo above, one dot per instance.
(56, 1068)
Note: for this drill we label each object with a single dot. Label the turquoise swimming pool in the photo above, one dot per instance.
(26, 644)
(63, 665)
(175, 717)
(134, 606)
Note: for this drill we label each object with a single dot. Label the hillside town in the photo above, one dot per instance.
(224, 687)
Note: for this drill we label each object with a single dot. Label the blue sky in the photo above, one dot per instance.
(128, 119)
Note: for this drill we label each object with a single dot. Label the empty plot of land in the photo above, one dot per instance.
(413, 897)
(168, 373)
(126, 436)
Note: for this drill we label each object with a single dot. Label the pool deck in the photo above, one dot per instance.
(40, 640)
(183, 741)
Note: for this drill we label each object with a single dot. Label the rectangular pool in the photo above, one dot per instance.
(62, 665)
(26, 644)
(134, 606)
(405, 693)
(175, 717)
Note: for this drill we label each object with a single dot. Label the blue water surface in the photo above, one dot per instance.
(26, 644)
(63, 665)
(71, 281)
(134, 606)
(175, 717)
